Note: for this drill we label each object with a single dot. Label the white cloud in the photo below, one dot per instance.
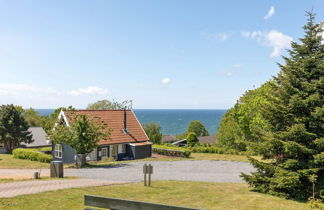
(91, 90)
(166, 81)
(237, 65)
(28, 95)
(270, 13)
(274, 39)
(227, 73)
(222, 36)
(278, 41)
(16, 89)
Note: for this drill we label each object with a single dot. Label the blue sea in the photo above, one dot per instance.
(173, 121)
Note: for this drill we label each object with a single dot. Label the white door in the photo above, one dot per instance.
(104, 152)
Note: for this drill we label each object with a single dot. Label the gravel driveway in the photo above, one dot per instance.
(188, 170)
(192, 170)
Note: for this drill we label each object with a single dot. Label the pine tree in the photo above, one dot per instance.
(13, 128)
(296, 114)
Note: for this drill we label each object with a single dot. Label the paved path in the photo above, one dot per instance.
(188, 170)
(12, 189)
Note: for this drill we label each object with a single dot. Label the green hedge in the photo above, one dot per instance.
(44, 149)
(214, 149)
(31, 154)
(171, 151)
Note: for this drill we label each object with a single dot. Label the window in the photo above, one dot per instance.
(58, 151)
(121, 148)
(104, 152)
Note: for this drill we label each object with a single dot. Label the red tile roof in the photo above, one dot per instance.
(114, 119)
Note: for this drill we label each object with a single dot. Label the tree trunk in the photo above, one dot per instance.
(10, 146)
(7, 146)
(80, 160)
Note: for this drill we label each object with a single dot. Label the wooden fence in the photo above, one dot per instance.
(120, 204)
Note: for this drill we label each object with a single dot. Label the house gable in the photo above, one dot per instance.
(114, 120)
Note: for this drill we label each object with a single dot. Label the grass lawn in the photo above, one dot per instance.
(194, 156)
(8, 161)
(191, 194)
(43, 178)
(212, 156)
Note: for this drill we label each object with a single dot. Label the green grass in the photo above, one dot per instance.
(191, 194)
(194, 156)
(8, 161)
(213, 156)
(44, 178)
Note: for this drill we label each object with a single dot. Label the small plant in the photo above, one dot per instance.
(313, 201)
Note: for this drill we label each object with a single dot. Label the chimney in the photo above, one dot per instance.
(125, 122)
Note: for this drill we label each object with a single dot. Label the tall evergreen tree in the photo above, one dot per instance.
(13, 128)
(296, 115)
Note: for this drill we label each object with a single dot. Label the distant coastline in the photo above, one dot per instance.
(173, 121)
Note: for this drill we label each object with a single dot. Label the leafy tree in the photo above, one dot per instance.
(48, 122)
(181, 136)
(229, 133)
(153, 131)
(32, 117)
(296, 116)
(194, 126)
(198, 128)
(83, 136)
(192, 139)
(110, 105)
(13, 128)
(244, 125)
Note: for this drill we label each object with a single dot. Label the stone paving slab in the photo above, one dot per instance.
(13, 189)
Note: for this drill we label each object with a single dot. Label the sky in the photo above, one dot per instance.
(162, 54)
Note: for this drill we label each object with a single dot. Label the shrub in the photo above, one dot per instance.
(45, 149)
(214, 149)
(192, 139)
(171, 151)
(31, 154)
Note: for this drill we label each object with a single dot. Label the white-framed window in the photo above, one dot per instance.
(58, 151)
(121, 148)
(104, 152)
